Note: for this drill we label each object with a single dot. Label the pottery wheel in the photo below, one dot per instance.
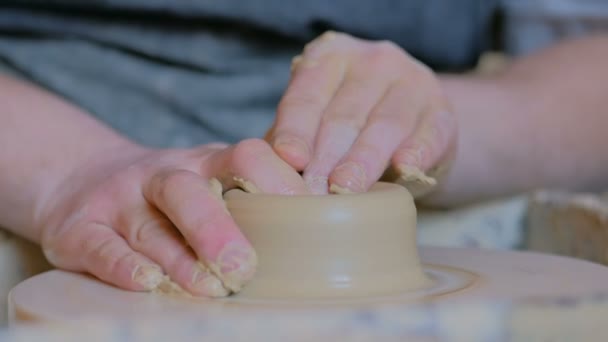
(458, 275)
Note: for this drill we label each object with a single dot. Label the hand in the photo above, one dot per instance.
(354, 107)
(129, 219)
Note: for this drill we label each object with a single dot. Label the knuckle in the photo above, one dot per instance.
(347, 119)
(367, 154)
(66, 239)
(166, 181)
(250, 149)
(327, 37)
(388, 55)
(147, 232)
(388, 46)
(180, 265)
(421, 76)
(100, 246)
(105, 253)
(382, 57)
(304, 100)
(101, 252)
(385, 49)
(179, 258)
(388, 119)
(428, 79)
(253, 145)
(113, 264)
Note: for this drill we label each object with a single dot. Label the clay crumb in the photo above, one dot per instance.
(413, 174)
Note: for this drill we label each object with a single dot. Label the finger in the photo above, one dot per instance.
(253, 164)
(425, 156)
(392, 119)
(430, 143)
(99, 250)
(202, 218)
(314, 81)
(346, 115)
(155, 236)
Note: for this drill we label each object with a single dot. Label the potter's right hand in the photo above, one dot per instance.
(147, 213)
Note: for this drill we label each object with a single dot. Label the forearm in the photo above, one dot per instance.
(42, 139)
(542, 123)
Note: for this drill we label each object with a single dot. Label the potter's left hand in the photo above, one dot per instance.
(354, 107)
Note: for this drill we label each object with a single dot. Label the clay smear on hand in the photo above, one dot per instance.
(412, 174)
(339, 190)
(233, 264)
(415, 180)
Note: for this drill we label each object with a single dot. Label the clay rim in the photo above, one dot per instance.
(378, 189)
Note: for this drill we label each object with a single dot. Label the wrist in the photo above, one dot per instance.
(484, 107)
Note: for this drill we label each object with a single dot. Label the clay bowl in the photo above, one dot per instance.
(350, 245)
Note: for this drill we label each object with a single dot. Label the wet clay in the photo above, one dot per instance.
(347, 245)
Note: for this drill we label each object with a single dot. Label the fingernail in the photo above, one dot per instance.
(351, 176)
(292, 146)
(317, 185)
(412, 157)
(169, 287)
(338, 190)
(148, 276)
(206, 283)
(51, 256)
(235, 266)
